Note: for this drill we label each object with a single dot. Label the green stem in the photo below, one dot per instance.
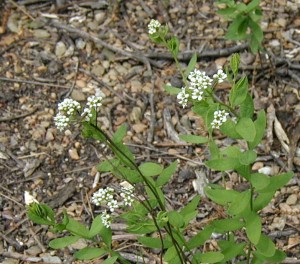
(249, 243)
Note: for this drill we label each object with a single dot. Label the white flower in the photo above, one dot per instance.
(127, 195)
(197, 94)
(29, 199)
(61, 121)
(106, 219)
(220, 117)
(93, 102)
(69, 106)
(182, 97)
(153, 26)
(199, 80)
(220, 76)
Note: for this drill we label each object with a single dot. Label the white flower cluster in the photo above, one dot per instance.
(153, 26)
(92, 103)
(220, 76)
(182, 97)
(106, 197)
(106, 219)
(220, 117)
(67, 108)
(127, 195)
(198, 83)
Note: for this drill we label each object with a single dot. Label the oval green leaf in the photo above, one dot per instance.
(150, 169)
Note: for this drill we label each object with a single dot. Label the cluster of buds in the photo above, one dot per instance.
(107, 197)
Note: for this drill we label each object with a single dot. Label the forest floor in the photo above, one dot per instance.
(50, 52)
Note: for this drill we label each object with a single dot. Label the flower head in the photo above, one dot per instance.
(199, 80)
(127, 195)
(61, 121)
(220, 117)
(153, 26)
(68, 106)
(29, 199)
(106, 219)
(93, 103)
(182, 97)
(220, 76)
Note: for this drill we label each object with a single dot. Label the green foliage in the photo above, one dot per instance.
(150, 216)
(88, 253)
(245, 23)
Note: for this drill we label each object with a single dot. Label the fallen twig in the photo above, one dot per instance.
(7, 119)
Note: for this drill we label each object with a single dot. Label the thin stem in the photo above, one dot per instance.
(249, 243)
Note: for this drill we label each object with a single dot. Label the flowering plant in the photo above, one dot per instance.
(148, 215)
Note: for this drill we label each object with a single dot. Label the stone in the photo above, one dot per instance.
(136, 114)
(34, 250)
(41, 33)
(292, 199)
(138, 128)
(100, 17)
(60, 49)
(77, 95)
(98, 70)
(74, 154)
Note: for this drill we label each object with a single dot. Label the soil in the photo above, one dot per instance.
(53, 50)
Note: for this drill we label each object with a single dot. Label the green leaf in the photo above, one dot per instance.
(171, 256)
(222, 164)
(191, 65)
(154, 242)
(41, 214)
(228, 128)
(166, 174)
(252, 5)
(201, 108)
(247, 107)
(201, 237)
(259, 181)
(173, 45)
(110, 260)
(277, 182)
(253, 227)
(63, 242)
(89, 253)
(172, 90)
(278, 257)
(225, 225)
(227, 12)
(262, 200)
(239, 92)
(96, 226)
(150, 169)
(211, 257)
(246, 128)
(76, 228)
(260, 125)
(176, 219)
(119, 134)
(247, 157)
(240, 204)
(265, 246)
(188, 212)
(222, 197)
(193, 139)
(230, 249)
